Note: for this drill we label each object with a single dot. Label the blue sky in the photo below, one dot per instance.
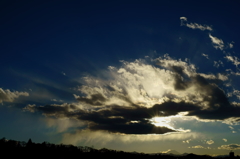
(146, 76)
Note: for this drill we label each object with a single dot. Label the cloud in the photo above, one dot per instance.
(230, 147)
(8, 96)
(217, 43)
(126, 101)
(218, 63)
(205, 55)
(199, 26)
(236, 93)
(197, 147)
(235, 60)
(231, 127)
(183, 18)
(231, 45)
(194, 25)
(63, 73)
(187, 141)
(225, 140)
(209, 142)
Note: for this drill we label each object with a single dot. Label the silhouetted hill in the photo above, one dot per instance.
(29, 150)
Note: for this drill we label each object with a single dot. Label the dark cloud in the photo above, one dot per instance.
(132, 128)
(206, 101)
(117, 119)
(95, 99)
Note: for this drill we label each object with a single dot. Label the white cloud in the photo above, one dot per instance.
(230, 147)
(8, 96)
(235, 60)
(197, 147)
(212, 76)
(232, 120)
(205, 55)
(199, 26)
(55, 100)
(236, 93)
(183, 18)
(218, 63)
(222, 77)
(209, 142)
(217, 43)
(30, 108)
(194, 25)
(231, 127)
(225, 140)
(187, 141)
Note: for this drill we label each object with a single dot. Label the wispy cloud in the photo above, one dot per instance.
(231, 45)
(218, 63)
(225, 140)
(235, 60)
(194, 25)
(197, 147)
(187, 141)
(205, 55)
(217, 43)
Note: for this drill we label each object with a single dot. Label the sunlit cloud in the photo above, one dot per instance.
(235, 60)
(205, 55)
(218, 63)
(197, 147)
(194, 25)
(210, 142)
(144, 97)
(217, 43)
(187, 141)
(230, 147)
(10, 96)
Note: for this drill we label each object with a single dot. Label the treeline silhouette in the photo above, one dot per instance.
(29, 150)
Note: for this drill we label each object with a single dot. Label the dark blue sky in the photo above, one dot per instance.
(46, 47)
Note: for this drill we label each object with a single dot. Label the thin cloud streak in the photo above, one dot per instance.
(194, 25)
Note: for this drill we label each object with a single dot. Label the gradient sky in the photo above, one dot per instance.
(147, 76)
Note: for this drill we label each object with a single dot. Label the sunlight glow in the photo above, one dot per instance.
(161, 121)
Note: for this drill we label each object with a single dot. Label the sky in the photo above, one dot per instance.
(147, 76)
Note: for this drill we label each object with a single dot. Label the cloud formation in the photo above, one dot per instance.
(194, 25)
(197, 147)
(205, 55)
(9, 96)
(210, 142)
(126, 101)
(217, 43)
(230, 147)
(235, 60)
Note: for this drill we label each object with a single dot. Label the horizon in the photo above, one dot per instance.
(144, 76)
(168, 152)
